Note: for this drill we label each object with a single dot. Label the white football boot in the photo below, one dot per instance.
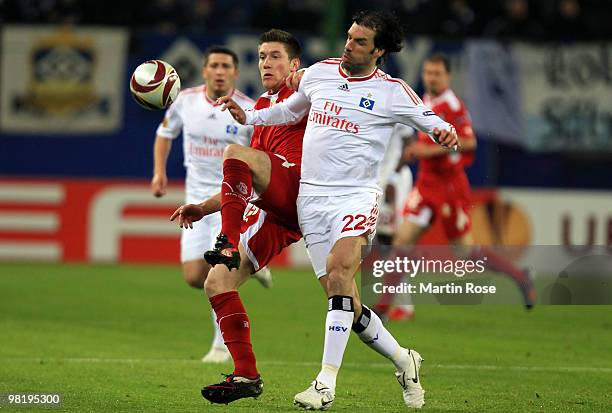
(408, 378)
(264, 276)
(317, 397)
(217, 355)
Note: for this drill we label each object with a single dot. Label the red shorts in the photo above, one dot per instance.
(281, 195)
(270, 224)
(447, 198)
(264, 236)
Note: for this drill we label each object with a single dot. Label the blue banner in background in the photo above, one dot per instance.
(501, 85)
(493, 92)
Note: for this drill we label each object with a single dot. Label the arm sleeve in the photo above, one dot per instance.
(409, 109)
(172, 124)
(249, 135)
(289, 111)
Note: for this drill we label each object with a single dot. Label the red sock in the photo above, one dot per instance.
(498, 263)
(235, 328)
(235, 193)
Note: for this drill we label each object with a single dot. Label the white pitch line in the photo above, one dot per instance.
(93, 360)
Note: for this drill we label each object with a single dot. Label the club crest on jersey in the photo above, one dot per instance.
(366, 103)
(242, 188)
(344, 87)
(232, 129)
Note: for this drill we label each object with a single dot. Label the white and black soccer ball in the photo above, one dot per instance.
(155, 85)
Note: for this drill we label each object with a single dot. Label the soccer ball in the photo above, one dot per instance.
(155, 84)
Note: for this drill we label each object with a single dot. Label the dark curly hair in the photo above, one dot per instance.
(389, 32)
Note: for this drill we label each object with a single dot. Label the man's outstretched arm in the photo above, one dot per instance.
(189, 213)
(289, 111)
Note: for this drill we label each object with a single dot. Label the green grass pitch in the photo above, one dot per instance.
(129, 339)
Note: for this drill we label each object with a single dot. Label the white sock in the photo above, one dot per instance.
(370, 329)
(217, 338)
(337, 331)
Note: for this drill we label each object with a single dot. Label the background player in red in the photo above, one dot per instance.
(442, 189)
(260, 183)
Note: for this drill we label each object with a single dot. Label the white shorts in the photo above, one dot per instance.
(201, 238)
(326, 219)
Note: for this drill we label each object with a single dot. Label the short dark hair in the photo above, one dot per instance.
(292, 46)
(440, 58)
(221, 50)
(389, 32)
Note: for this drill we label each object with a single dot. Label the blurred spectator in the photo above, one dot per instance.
(459, 19)
(563, 19)
(417, 15)
(516, 23)
(166, 16)
(201, 16)
(568, 22)
(273, 14)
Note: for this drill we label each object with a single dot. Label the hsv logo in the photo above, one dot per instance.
(231, 129)
(338, 328)
(366, 103)
(428, 113)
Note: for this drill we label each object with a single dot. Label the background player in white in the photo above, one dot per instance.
(396, 183)
(352, 107)
(206, 133)
(395, 180)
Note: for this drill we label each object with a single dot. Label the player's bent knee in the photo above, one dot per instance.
(233, 151)
(218, 282)
(340, 265)
(194, 280)
(339, 280)
(194, 274)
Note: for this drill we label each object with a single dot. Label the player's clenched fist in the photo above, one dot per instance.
(447, 138)
(187, 214)
(293, 79)
(159, 183)
(234, 109)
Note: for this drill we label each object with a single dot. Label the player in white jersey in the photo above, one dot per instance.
(396, 183)
(206, 132)
(352, 107)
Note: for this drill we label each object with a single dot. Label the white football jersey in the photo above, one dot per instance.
(206, 132)
(350, 120)
(393, 155)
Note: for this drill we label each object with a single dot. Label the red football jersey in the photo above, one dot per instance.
(284, 140)
(452, 109)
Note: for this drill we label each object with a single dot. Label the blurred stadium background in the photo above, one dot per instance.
(76, 151)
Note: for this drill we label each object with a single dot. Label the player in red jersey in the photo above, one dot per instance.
(442, 190)
(260, 184)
